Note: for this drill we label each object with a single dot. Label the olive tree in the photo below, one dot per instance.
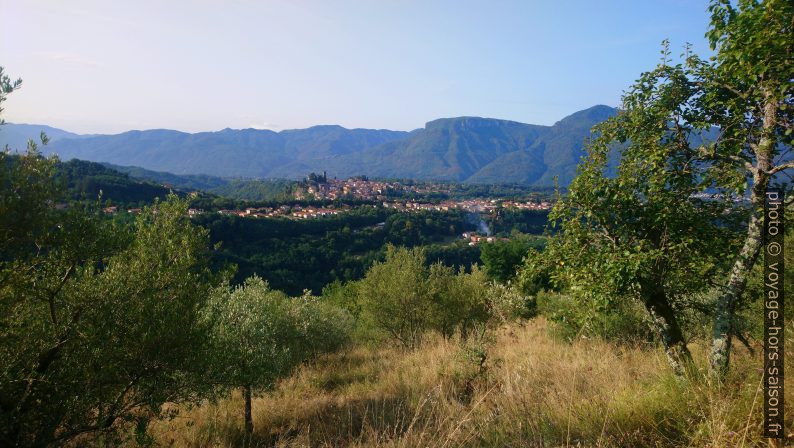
(395, 296)
(101, 325)
(99, 321)
(260, 335)
(405, 298)
(459, 300)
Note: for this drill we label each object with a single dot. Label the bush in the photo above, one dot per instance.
(503, 258)
(507, 303)
(403, 298)
(394, 295)
(624, 322)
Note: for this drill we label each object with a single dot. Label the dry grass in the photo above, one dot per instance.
(533, 391)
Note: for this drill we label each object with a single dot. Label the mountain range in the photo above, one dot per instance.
(463, 149)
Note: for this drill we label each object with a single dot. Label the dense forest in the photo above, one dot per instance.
(309, 254)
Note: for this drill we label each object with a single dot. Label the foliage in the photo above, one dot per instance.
(721, 125)
(507, 303)
(626, 322)
(186, 182)
(504, 221)
(502, 258)
(460, 300)
(100, 323)
(404, 298)
(309, 254)
(394, 294)
(746, 91)
(260, 335)
(256, 189)
(536, 273)
(89, 180)
(640, 233)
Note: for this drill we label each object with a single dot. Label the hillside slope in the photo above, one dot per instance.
(462, 149)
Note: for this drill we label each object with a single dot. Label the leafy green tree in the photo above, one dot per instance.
(701, 126)
(404, 297)
(101, 325)
(535, 273)
(260, 335)
(460, 301)
(639, 234)
(98, 321)
(746, 90)
(501, 259)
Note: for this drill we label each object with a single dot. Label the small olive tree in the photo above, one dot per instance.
(260, 335)
(460, 300)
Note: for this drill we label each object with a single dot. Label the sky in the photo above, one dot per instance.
(108, 66)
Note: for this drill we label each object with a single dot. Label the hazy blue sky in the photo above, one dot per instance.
(109, 66)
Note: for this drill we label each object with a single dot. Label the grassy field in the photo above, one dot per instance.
(516, 387)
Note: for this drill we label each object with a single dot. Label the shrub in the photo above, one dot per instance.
(404, 298)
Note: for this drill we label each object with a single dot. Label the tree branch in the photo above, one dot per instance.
(780, 168)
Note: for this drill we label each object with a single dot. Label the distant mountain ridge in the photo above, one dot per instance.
(463, 149)
(16, 136)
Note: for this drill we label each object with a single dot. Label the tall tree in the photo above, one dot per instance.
(747, 92)
(704, 126)
(637, 232)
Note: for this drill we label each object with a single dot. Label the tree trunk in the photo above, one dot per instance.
(249, 421)
(665, 323)
(726, 303)
(719, 359)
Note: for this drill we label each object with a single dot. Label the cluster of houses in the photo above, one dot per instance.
(411, 206)
(527, 205)
(469, 205)
(285, 211)
(113, 209)
(474, 238)
(361, 188)
(300, 212)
